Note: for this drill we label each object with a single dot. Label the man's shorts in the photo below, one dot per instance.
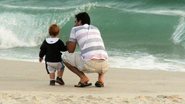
(87, 66)
(51, 67)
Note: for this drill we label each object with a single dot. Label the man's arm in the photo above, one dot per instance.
(71, 46)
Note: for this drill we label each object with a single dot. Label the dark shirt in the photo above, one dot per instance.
(52, 51)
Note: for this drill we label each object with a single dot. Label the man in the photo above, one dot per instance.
(93, 56)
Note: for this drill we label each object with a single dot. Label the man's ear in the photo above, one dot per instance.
(79, 22)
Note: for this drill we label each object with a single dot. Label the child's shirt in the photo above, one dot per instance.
(51, 48)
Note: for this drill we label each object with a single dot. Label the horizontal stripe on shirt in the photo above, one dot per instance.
(97, 54)
(92, 49)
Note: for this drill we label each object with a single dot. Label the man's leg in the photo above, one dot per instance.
(101, 77)
(100, 82)
(83, 77)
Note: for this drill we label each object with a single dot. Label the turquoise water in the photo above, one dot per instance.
(144, 34)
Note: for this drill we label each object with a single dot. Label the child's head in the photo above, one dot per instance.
(54, 30)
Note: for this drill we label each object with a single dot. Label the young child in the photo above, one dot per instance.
(51, 48)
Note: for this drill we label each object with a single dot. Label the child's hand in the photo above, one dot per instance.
(40, 59)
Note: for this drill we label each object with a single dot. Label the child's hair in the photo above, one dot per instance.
(54, 30)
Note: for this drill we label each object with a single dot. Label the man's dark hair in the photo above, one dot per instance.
(84, 17)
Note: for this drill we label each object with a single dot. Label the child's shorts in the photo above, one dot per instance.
(51, 67)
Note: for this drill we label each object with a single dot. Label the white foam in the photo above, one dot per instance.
(8, 39)
(138, 60)
(16, 30)
(25, 30)
(86, 5)
(137, 8)
(28, 30)
(145, 62)
(160, 12)
(179, 34)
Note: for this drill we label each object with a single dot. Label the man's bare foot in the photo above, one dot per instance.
(85, 79)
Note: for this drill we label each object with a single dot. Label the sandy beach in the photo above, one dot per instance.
(28, 83)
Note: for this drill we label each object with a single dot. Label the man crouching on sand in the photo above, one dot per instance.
(93, 56)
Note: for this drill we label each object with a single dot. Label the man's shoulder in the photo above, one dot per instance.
(93, 27)
(76, 28)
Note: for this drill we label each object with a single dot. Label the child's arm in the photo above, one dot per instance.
(42, 51)
(40, 59)
(63, 47)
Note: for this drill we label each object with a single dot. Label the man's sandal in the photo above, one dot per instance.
(99, 84)
(80, 84)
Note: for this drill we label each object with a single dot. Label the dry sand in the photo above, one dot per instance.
(28, 83)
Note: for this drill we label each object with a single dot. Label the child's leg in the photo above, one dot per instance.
(60, 70)
(59, 79)
(52, 79)
(60, 73)
(52, 76)
(51, 73)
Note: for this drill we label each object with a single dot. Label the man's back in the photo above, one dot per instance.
(90, 42)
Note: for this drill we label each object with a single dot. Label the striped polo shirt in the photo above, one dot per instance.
(90, 42)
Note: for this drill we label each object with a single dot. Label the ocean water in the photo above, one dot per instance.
(138, 34)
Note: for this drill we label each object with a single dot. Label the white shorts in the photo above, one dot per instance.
(88, 66)
(51, 67)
